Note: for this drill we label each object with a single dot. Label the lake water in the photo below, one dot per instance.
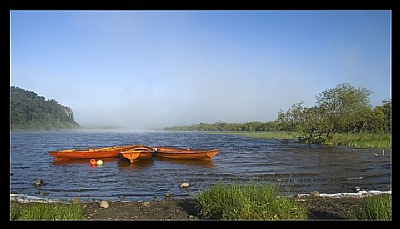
(294, 168)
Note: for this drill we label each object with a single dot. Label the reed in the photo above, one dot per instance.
(362, 140)
(45, 211)
(357, 140)
(377, 207)
(248, 202)
(270, 134)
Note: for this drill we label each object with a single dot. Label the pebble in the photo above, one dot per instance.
(104, 204)
(77, 200)
(146, 204)
(314, 193)
(38, 182)
(184, 185)
(167, 194)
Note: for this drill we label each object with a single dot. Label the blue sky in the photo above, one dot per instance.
(151, 69)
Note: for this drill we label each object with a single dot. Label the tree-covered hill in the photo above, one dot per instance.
(28, 111)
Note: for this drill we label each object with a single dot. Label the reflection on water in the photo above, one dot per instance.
(139, 163)
(147, 162)
(81, 161)
(190, 162)
(298, 168)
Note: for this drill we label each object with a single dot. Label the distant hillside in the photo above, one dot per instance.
(28, 111)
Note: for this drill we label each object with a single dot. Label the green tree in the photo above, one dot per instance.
(343, 109)
(342, 106)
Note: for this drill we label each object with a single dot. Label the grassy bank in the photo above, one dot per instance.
(230, 202)
(45, 211)
(374, 208)
(263, 134)
(262, 202)
(250, 202)
(380, 141)
(361, 140)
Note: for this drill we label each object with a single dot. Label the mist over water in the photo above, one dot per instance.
(294, 168)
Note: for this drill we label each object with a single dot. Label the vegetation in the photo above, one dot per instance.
(248, 202)
(343, 109)
(32, 112)
(225, 202)
(374, 208)
(223, 126)
(281, 135)
(45, 211)
(342, 116)
(362, 140)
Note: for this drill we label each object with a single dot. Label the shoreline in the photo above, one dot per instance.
(23, 198)
(320, 206)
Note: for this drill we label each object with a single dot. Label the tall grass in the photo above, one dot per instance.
(270, 134)
(374, 208)
(45, 211)
(360, 140)
(248, 202)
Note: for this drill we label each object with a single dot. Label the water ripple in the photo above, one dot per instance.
(295, 168)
